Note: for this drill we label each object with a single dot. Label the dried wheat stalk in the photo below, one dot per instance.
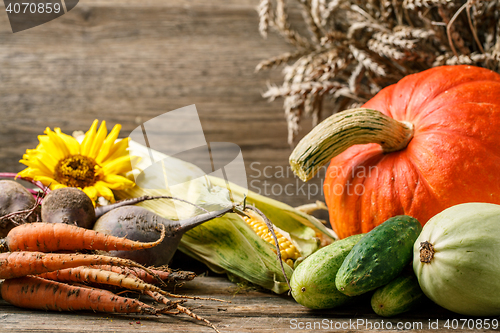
(351, 49)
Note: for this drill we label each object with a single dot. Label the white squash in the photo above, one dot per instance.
(457, 259)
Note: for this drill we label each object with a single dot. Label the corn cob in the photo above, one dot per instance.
(289, 252)
(228, 244)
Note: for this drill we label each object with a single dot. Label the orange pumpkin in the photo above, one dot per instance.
(433, 142)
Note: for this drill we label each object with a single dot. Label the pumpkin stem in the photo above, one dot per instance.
(426, 252)
(343, 130)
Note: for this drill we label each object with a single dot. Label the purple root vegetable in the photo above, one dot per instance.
(68, 205)
(17, 206)
(36, 193)
(71, 205)
(12, 175)
(139, 224)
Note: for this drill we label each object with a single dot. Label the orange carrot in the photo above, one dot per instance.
(51, 237)
(18, 264)
(34, 292)
(100, 276)
(164, 273)
(106, 277)
(37, 293)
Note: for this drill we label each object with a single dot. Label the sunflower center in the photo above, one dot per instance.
(76, 171)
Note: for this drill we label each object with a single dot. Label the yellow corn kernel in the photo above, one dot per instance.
(289, 252)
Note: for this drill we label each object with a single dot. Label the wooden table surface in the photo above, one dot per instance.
(128, 61)
(249, 311)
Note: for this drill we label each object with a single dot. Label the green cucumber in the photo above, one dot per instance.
(379, 257)
(313, 281)
(400, 295)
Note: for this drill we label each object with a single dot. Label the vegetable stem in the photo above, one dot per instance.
(343, 130)
(426, 252)
(194, 221)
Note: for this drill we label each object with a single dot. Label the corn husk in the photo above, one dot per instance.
(225, 244)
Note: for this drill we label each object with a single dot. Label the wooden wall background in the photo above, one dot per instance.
(127, 61)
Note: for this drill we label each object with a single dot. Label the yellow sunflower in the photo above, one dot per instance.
(94, 166)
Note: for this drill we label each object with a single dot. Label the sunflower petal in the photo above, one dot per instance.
(26, 173)
(57, 186)
(59, 143)
(119, 149)
(116, 182)
(47, 181)
(88, 139)
(119, 165)
(98, 141)
(91, 191)
(72, 144)
(37, 165)
(104, 191)
(108, 144)
(50, 147)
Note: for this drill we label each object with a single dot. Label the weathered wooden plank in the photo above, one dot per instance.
(127, 61)
(249, 311)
